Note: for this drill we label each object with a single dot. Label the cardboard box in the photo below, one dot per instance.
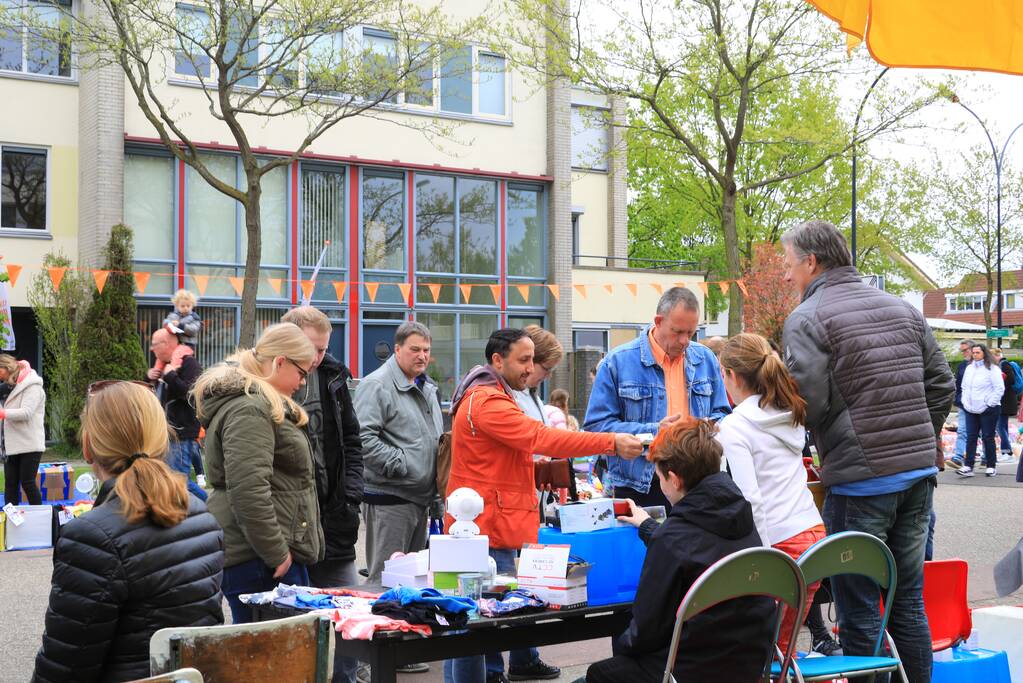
(3, 525)
(547, 571)
(35, 531)
(55, 481)
(410, 570)
(450, 554)
(588, 515)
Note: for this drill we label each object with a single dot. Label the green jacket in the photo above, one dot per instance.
(264, 492)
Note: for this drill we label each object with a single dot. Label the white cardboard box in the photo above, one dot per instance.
(1001, 628)
(408, 570)
(545, 570)
(36, 531)
(589, 515)
(450, 554)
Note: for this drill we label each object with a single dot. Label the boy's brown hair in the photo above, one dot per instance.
(687, 448)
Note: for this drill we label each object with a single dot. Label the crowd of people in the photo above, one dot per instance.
(294, 458)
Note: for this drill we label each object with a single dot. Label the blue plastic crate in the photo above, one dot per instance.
(616, 555)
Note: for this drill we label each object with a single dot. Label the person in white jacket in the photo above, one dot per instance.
(21, 430)
(983, 387)
(763, 442)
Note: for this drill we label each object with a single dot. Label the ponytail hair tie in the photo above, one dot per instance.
(135, 456)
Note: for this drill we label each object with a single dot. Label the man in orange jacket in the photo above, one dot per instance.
(492, 447)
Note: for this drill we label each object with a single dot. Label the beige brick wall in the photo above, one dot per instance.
(559, 214)
(617, 190)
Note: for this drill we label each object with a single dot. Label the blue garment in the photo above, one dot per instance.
(629, 396)
(255, 577)
(309, 601)
(429, 596)
(892, 483)
(180, 455)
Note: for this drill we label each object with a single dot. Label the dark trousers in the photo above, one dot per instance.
(654, 497)
(20, 474)
(255, 577)
(983, 424)
(623, 668)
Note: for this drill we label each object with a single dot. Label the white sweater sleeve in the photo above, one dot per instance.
(996, 386)
(738, 454)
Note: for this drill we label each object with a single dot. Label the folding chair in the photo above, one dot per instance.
(754, 571)
(850, 552)
(292, 650)
(948, 611)
(179, 676)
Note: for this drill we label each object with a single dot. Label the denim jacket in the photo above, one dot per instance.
(629, 396)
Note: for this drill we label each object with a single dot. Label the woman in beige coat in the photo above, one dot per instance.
(22, 439)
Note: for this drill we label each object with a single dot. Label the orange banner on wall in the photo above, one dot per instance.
(141, 280)
(56, 276)
(100, 277)
(555, 291)
(13, 272)
(340, 289)
(237, 283)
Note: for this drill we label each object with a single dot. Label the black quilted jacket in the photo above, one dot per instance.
(115, 584)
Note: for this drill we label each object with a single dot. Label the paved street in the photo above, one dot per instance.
(979, 520)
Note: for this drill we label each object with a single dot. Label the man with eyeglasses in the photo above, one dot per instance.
(172, 386)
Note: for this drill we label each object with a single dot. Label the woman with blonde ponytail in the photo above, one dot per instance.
(763, 441)
(260, 465)
(147, 556)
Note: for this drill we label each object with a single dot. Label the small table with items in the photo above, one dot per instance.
(388, 650)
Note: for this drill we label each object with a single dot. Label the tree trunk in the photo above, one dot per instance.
(731, 258)
(988, 301)
(254, 248)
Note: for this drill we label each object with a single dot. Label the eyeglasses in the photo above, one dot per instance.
(102, 384)
(302, 371)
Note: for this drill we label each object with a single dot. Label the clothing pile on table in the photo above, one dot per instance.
(517, 601)
(425, 606)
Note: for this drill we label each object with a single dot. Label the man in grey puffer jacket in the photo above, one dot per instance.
(878, 390)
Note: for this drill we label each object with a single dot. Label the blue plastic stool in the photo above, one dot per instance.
(617, 557)
(958, 665)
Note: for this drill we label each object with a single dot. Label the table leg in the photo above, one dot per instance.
(382, 661)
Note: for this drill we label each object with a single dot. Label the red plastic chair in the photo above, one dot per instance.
(945, 602)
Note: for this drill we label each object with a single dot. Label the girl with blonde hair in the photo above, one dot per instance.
(259, 464)
(763, 441)
(147, 556)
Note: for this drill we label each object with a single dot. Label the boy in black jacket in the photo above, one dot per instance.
(709, 519)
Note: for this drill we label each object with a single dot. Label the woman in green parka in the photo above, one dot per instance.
(259, 463)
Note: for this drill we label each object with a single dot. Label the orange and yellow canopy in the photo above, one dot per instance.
(978, 35)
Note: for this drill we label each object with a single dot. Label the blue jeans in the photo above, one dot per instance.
(180, 456)
(1003, 434)
(900, 520)
(255, 577)
(961, 433)
(471, 669)
(983, 424)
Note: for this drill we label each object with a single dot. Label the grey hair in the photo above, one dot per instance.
(968, 342)
(677, 296)
(820, 238)
(407, 329)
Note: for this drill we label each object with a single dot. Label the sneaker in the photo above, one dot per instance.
(990, 472)
(420, 668)
(538, 670)
(1006, 457)
(498, 677)
(200, 479)
(364, 674)
(965, 471)
(828, 647)
(957, 460)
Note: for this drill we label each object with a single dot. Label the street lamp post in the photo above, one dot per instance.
(999, 159)
(856, 128)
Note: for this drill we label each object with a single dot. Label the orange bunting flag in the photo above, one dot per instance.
(13, 272)
(657, 288)
(724, 287)
(340, 288)
(609, 288)
(371, 290)
(466, 291)
(141, 280)
(434, 292)
(523, 292)
(495, 291)
(555, 292)
(742, 286)
(100, 276)
(238, 284)
(276, 283)
(307, 289)
(703, 287)
(201, 283)
(581, 289)
(406, 291)
(56, 276)
(632, 288)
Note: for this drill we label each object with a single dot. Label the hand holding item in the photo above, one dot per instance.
(153, 374)
(636, 516)
(628, 446)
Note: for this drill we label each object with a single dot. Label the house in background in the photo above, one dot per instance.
(965, 302)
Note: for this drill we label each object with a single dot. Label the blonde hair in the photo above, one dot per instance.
(282, 339)
(751, 357)
(125, 431)
(308, 316)
(183, 295)
(546, 347)
(10, 364)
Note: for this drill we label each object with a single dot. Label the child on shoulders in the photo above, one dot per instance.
(185, 324)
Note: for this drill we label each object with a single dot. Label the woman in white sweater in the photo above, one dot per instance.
(983, 387)
(763, 442)
(21, 429)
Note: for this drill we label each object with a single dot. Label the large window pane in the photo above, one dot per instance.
(212, 228)
(49, 49)
(273, 219)
(323, 220)
(149, 204)
(383, 224)
(219, 335)
(10, 40)
(192, 32)
(526, 228)
(163, 279)
(477, 216)
(435, 224)
(474, 332)
(218, 284)
(442, 368)
(242, 46)
(323, 61)
(492, 88)
(381, 57)
(589, 138)
(23, 189)
(456, 82)
(422, 92)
